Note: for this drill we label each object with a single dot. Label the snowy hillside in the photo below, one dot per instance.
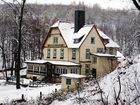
(129, 73)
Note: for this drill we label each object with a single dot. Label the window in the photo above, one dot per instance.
(55, 40)
(64, 71)
(76, 40)
(54, 53)
(60, 71)
(68, 81)
(94, 60)
(36, 68)
(99, 50)
(110, 50)
(74, 71)
(73, 53)
(57, 70)
(87, 68)
(87, 53)
(48, 53)
(30, 67)
(92, 40)
(42, 69)
(61, 53)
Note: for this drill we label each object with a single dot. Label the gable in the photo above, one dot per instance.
(87, 41)
(49, 42)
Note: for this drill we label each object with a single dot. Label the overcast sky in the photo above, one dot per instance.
(119, 4)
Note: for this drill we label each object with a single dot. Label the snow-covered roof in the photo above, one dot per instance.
(67, 31)
(103, 55)
(119, 55)
(36, 61)
(73, 76)
(66, 63)
(102, 34)
(111, 43)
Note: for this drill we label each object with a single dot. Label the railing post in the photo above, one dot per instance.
(40, 95)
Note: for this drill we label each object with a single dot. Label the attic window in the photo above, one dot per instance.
(92, 40)
(106, 41)
(78, 39)
(55, 40)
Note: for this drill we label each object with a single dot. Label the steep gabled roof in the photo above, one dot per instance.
(110, 43)
(67, 31)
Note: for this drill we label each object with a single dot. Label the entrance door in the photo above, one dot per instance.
(94, 73)
(49, 72)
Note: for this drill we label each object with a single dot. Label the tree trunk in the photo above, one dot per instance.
(18, 59)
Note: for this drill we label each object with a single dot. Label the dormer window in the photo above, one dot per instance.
(76, 40)
(106, 41)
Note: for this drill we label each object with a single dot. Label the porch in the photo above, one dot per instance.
(50, 71)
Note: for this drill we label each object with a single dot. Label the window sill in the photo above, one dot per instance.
(54, 57)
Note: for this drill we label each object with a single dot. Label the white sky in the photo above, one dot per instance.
(117, 4)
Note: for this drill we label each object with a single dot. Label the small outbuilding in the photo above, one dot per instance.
(71, 81)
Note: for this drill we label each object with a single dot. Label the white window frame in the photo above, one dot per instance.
(54, 53)
(55, 40)
(87, 53)
(61, 53)
(48, 53)
(73, 53)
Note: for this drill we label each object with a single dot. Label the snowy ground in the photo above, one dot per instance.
(9, 92)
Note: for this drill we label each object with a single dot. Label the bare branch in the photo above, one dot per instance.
(119, 87)
(102, 99)
(136, 4)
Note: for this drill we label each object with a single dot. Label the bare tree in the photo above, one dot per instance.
(137, 4)
(18, 55)
(20, 11)
(101, 92)
(117, 95)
